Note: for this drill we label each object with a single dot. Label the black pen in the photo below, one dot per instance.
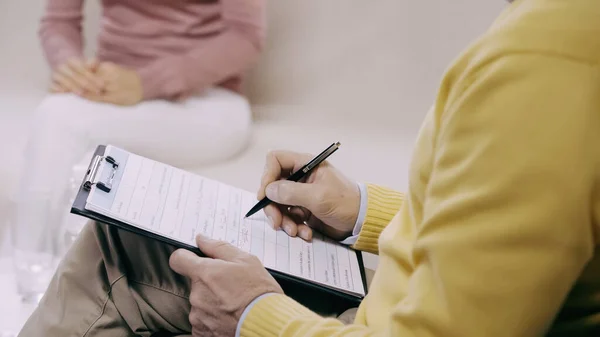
(301, 173)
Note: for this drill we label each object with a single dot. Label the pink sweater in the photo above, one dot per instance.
(177, 46)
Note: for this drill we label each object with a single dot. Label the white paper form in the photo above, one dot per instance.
(179, 205)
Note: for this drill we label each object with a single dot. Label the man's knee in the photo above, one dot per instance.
(140, 258)
(85, 247)
(118, 252)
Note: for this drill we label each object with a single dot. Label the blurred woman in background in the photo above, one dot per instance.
(166, 82)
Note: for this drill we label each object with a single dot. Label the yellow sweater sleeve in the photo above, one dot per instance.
(505, 230)
(382, 204)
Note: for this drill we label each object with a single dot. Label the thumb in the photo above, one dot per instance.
(217, 249)
(293, 194)
(185, 263)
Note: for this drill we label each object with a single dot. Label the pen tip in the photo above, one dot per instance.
(338, 144)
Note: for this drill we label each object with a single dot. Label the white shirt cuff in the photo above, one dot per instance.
(246, 311)
(362, 213)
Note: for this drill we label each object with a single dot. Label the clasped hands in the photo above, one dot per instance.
(224, 283)
(98, 81)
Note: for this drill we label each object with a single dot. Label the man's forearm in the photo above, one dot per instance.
(278, 315)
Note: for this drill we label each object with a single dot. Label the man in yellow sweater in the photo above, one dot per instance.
(496, 236)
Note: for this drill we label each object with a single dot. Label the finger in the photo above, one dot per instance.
(290, 193)
(108, 97)
(186, 263)
(111, 85)
(67, 83)
(305, 232)
(56, 88)
(299, 214)
(92, 64)
(315, 223)
(92, 82)
(279, 164)
(82, 76)
(218, 249)
(289, 226)
(100, 98)
(274, 216)
(108, 71)
(95, 98)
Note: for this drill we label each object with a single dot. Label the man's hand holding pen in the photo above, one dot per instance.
(327, 201)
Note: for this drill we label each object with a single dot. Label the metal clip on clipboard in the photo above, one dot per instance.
(93, 174)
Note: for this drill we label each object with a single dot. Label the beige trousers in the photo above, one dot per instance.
(115, 283)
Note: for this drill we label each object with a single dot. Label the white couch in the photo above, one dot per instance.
(360, 72)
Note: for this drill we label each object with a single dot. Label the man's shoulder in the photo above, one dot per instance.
(563, 29)
(527, 41)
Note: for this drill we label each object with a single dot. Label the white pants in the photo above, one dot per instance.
(201, 130)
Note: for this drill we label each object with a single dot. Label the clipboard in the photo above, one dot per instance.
(320, 299)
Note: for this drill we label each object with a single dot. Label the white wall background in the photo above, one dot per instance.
(383, 58)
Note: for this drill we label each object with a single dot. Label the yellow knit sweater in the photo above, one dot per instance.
(497, 235)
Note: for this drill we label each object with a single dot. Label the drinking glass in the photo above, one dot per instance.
(72, 223)
(36, 241)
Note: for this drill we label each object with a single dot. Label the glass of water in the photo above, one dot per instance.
(36, 241)
(72, 223)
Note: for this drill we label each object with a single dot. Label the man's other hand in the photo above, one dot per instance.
(223, 285)
(327, 201)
